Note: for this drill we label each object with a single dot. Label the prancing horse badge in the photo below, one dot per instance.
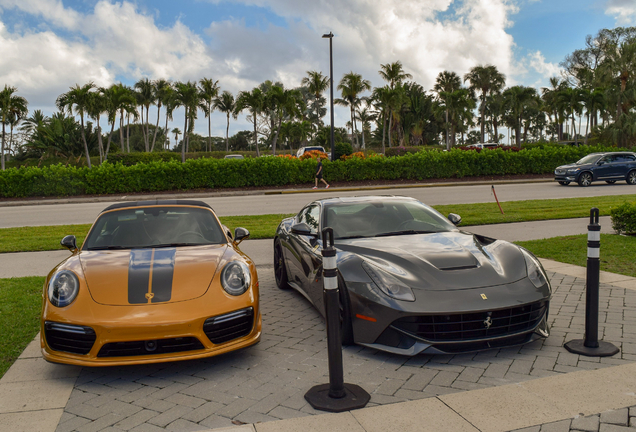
(483, 296)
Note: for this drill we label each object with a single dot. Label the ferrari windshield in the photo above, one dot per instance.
(148, 227)
(383, 218)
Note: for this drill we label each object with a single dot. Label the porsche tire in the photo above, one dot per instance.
(346, 329)
(280, 272)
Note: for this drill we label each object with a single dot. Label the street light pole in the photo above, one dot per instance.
(330, 37)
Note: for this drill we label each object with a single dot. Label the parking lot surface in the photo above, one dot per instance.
(267, 382)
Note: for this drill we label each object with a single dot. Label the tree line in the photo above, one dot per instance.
(597, 83)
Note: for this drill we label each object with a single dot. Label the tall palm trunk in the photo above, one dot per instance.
(3, 138)
(227, 135)
(88, 158)
(390, 126)
(110, 135)
(128, 132)
(154, 138)
(383, 131)
(256, 137)
(99, 141)
(185, 133)
(121, 131)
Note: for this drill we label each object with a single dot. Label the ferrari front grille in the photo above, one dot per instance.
(150, 347)
(69, 338)
(474, 325)
(224, 328)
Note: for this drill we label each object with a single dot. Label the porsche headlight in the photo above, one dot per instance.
(535, 272)
(63, 288)
(236, 278)
(388, 284)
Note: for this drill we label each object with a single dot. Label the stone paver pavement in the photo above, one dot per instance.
(268, 381)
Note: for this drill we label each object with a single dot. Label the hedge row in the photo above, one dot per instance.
(58, 180)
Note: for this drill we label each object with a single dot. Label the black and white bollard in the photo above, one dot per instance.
(591, 346)
(335, 396)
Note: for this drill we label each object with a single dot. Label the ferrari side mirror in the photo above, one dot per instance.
(455, 218)
(303, 229)
(69, 242)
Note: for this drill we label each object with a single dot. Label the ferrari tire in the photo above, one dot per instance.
(610, 181)
(280, 272)
(564, 183)
(631, 177)
(346, 329)
(585, 179)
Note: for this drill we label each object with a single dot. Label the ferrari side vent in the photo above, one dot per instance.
(69, 338)
(224, 328)
(150, 347)
(474, 325)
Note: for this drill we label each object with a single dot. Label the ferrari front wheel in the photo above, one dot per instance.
(280, 272)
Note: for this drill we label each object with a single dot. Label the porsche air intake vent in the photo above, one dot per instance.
(150, 347)
(473, 325)
(69, 338)
(224, 328)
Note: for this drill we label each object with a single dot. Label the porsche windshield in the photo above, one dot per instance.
(154, 227)
(383, 218)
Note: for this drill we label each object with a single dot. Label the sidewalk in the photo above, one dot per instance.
(263, 386)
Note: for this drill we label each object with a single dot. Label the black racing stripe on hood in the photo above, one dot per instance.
(139, 275)
(162, 272)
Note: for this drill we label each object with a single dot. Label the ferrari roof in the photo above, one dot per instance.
(157, 202)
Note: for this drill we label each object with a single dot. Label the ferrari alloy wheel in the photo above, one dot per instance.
(564, 183)
(585, 179)
(280, 273)
(346, 329)
(631, 177)
(610, 181)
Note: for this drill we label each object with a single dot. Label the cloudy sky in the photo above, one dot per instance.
(46, 46)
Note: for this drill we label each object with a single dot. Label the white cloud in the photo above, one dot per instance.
(537, 62)
(623, 10)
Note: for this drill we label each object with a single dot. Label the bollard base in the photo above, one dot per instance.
(355, 397)
(604, 349)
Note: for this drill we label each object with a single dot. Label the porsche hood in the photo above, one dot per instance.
(442, 261)
(149, 275)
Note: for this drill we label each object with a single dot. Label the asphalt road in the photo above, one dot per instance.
(77, 213)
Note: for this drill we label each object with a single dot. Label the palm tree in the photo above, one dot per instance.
(351, 85)
(572, 100)
(619, 64)
(176, 133)
(208, 89)
(97, 105)
(227, 104)
(549, 95)
(317, 84)
(187, 96)
(31, 124)
(487, 80)
(381, 98)
(516, 99)
(145, 97)
(161, 90)
(77, 98)
(445, 84)
(283, 105)
(593, 101)
(252, 101)
(393, 73)
(9, 102)
(119, 99)
(366, 116)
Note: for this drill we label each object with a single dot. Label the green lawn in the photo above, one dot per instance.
(42, 238)
(20, 305)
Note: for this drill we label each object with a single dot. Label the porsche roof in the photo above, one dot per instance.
(157, 202)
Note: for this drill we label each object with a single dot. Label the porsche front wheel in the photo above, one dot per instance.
(280, 272)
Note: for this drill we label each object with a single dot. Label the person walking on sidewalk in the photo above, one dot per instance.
(319, 175)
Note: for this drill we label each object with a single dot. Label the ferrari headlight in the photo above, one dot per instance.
(388, 284)
(63, 288)
(535, 272)
(236, 278)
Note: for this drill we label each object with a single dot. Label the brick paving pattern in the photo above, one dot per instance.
(621, 420)
(268, 381)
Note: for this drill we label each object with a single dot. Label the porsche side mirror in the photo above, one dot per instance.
(240, 234)
(455, 218)
(69, 242)
(303, 229)
(227, 231)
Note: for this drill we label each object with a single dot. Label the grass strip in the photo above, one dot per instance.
(20, 308)
(28, 239)
(618, 253)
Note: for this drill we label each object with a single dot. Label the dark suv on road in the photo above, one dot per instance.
(608, 167)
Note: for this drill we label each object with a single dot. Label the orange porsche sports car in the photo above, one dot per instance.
(154, 281)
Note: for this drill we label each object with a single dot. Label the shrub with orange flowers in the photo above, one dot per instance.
(314, 154)
(361, 155)
(286, 156)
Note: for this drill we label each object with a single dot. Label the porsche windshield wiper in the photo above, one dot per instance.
(110, 247)
(405, 232)
(163, 245)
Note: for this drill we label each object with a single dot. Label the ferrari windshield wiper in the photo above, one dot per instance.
(404, 232)
(350, 237)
